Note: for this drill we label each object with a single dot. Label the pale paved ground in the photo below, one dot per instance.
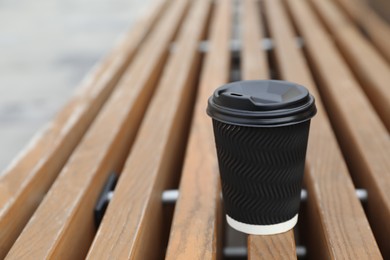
(46, 47)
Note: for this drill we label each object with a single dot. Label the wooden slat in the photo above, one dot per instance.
(63, 226)
(255, 66)
(280, 246)
(196, 228)
(24, 183)
(135, 216)
(373, 25)
(253, 57)
(369, 66)
(362, 136)
(327, 180)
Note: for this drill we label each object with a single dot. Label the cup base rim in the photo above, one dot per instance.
(262, 229)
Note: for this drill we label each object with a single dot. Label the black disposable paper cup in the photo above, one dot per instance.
(261, 130)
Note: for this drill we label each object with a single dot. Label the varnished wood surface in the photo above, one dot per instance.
(369, 66)
(280, 246)
(255, 66)
(326, 178)
(25, 182)
(362, 136)
(63, 226)
(196, 227)
(376, 28)
(154, 163)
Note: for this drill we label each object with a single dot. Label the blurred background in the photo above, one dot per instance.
(46, 48)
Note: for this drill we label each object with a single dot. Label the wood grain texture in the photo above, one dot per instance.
(326, 178)
(255, 66)
(64, 220)
(362, 136)
(27, 179)
(368, 65)
(280, 246)
(135, 216)
(196, 227)
(377, 29)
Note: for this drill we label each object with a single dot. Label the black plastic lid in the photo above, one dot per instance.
(261, 103)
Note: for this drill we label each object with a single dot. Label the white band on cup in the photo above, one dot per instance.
(262, 229)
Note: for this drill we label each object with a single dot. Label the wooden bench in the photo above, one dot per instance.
(141, 115)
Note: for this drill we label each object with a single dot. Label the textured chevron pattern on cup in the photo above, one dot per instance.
(261, 170)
